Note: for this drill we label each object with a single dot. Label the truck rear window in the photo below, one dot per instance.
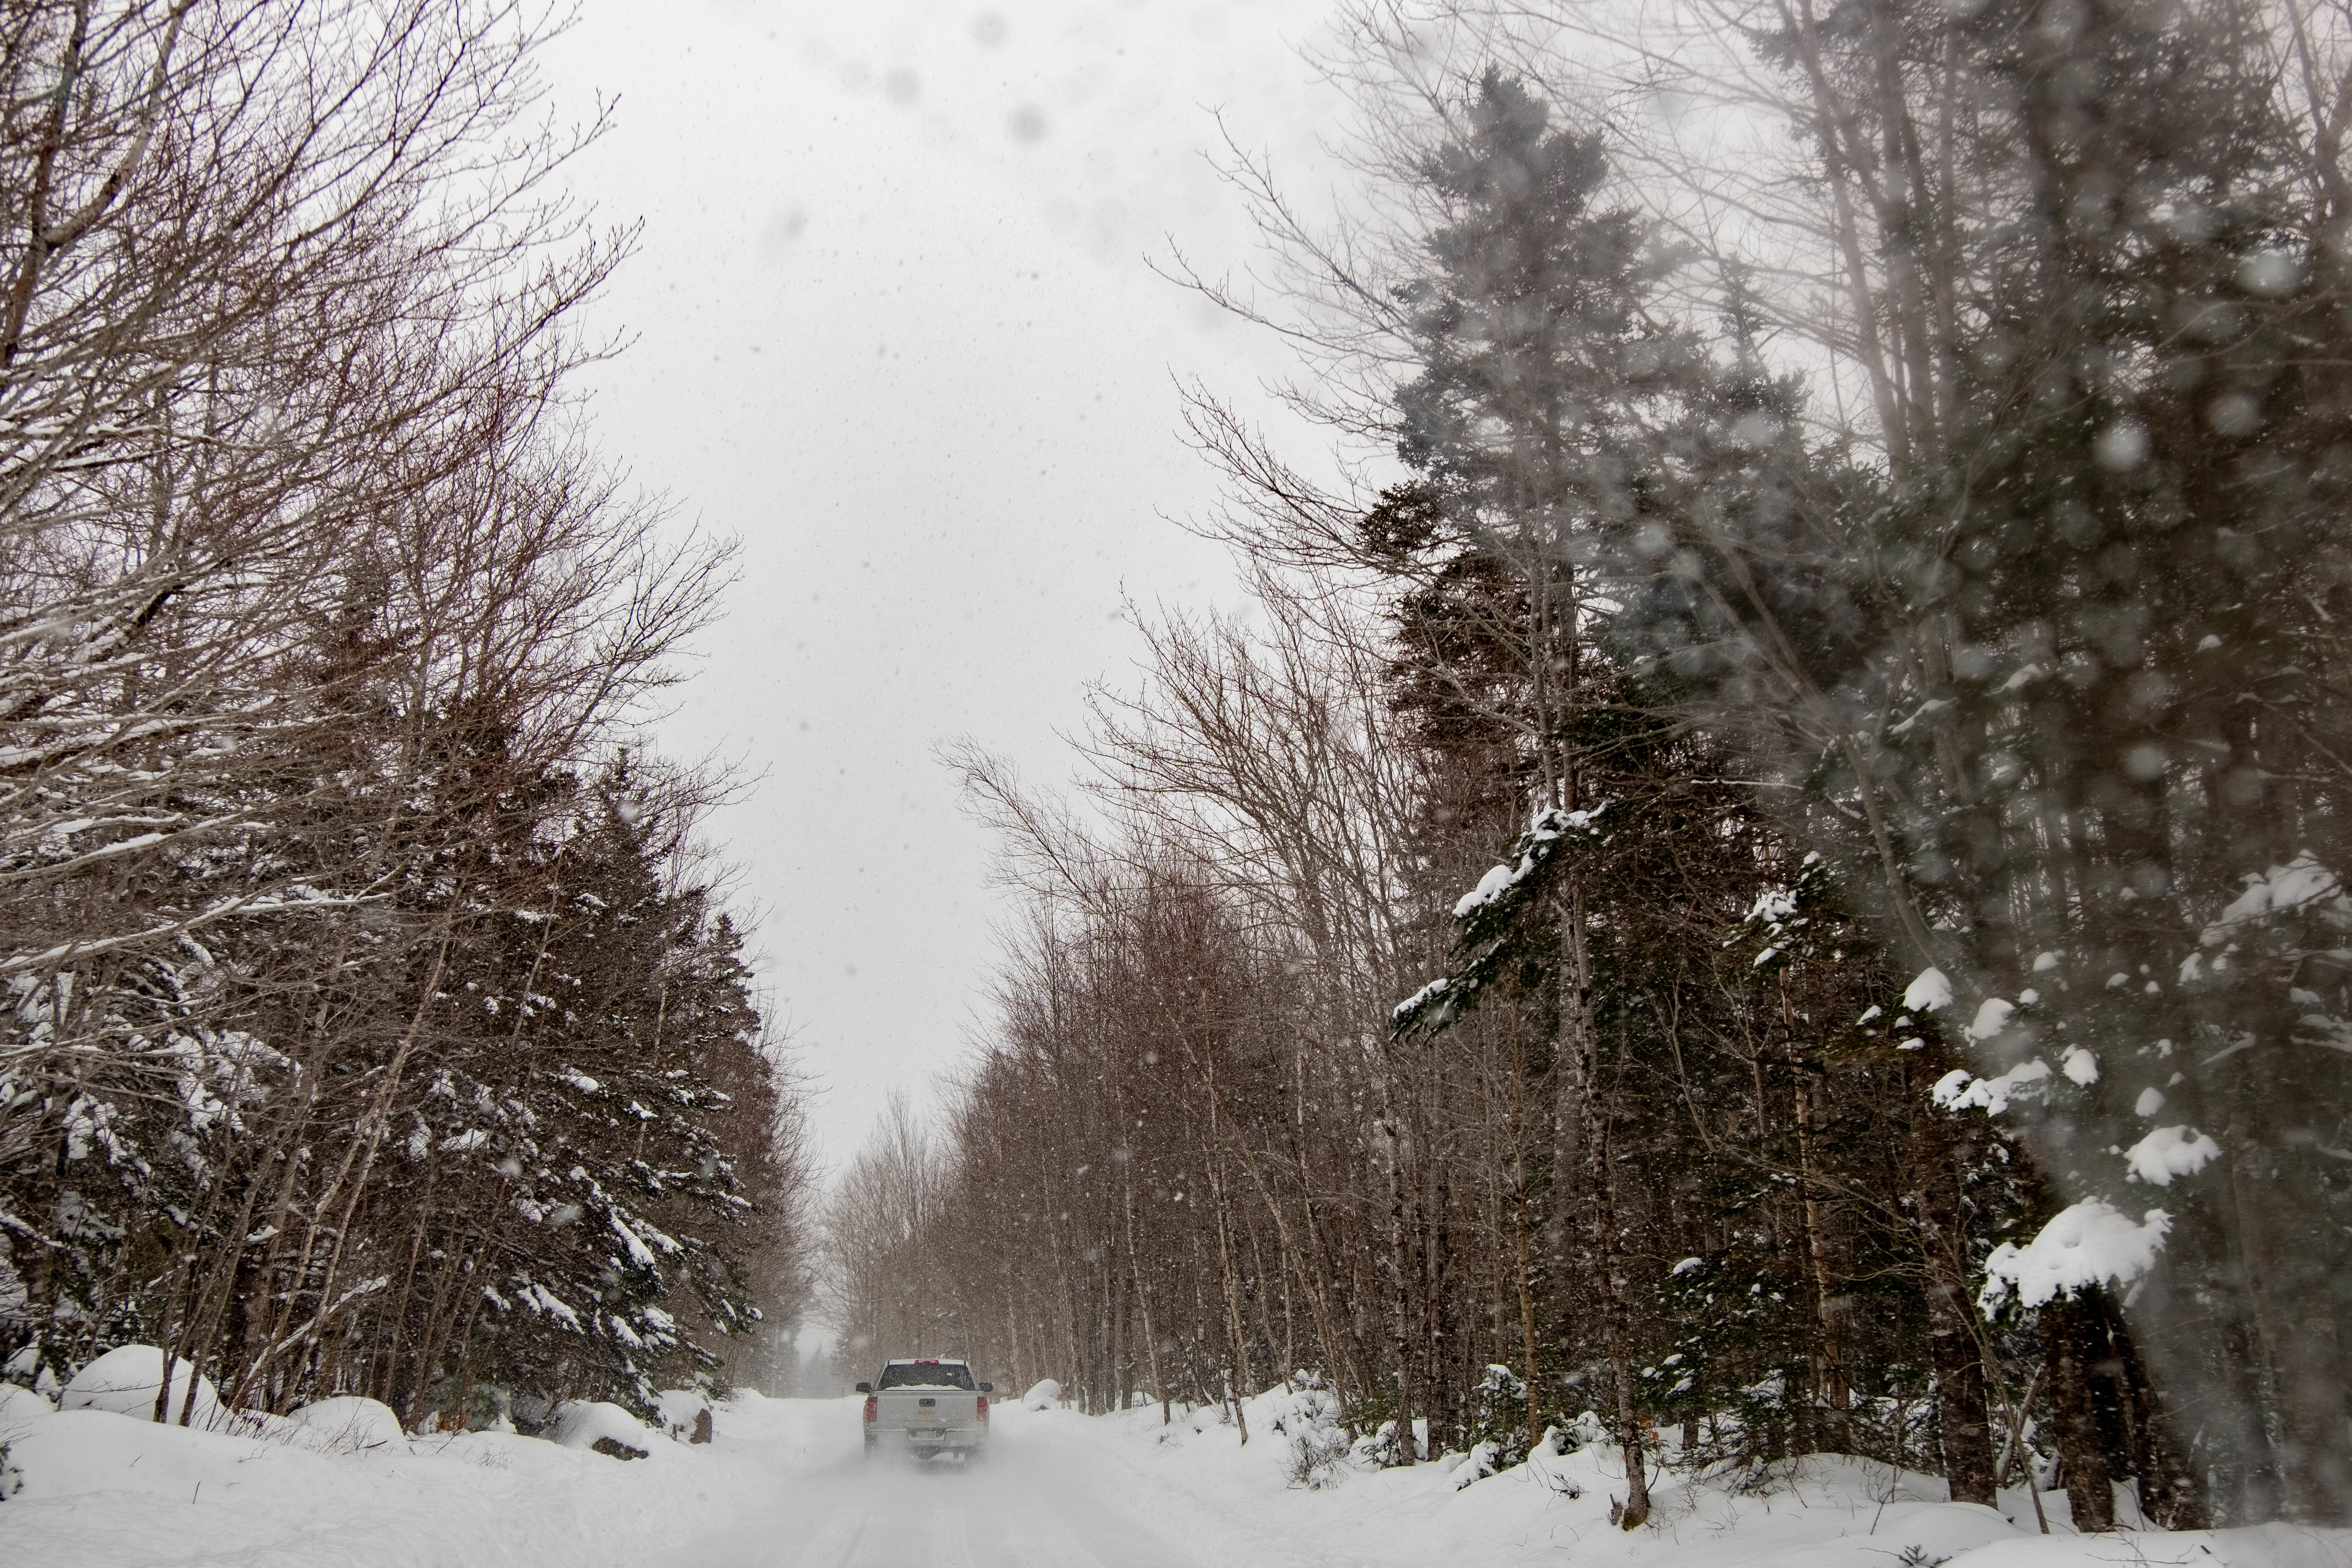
(920, 1376)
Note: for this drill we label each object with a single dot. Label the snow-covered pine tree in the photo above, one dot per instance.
(2048, 667)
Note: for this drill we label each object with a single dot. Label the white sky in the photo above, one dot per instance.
(894, 330)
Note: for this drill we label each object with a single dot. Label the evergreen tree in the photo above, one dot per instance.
(2051, 677)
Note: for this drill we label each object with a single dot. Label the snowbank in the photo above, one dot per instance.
(583, 1423)
(1043, 1394)
(681, 1409)
(1271, 1501)
(19, 1407)
(125, 1381)
(352, 1425)
(2265, 1546)
(105, 1490)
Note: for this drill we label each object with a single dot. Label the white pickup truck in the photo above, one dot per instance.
(926, 1406)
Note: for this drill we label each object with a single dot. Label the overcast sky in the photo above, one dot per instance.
(894, 331)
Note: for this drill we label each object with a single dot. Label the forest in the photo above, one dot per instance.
(1762, 872)
(377, 1022)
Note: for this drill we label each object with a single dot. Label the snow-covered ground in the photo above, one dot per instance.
(784, 1483)
(1240, 1507)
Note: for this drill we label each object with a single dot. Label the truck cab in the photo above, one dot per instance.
(926, 1405)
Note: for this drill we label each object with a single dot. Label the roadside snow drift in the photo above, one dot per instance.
(337, 1483)
(128, 1379)
(784, 1483)
(1273, 1504)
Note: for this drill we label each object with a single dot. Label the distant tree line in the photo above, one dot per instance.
(372, 1024)
(1858, 529)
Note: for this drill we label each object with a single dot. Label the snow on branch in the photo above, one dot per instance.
(1530, 856)
(2090, 1243)
(2170, 1151)
(2300, 884)
(1493, 918)
(1958, 1089)
(19, 963)
(1929, 992)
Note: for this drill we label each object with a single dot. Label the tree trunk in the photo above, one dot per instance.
(1236, 1330)
(2172, 1494)
(1962, 1422)
(1522, 1258)
(2082, 1452)
(1829, 1362)
(2290, 1268)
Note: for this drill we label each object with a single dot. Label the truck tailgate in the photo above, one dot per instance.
(926, 1409)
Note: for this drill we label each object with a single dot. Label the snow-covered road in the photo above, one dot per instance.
(1040, 1500)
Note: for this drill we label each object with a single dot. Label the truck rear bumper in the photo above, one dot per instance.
(935, 1440)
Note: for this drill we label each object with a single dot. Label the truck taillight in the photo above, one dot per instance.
(869, 1408)
(983, 1409)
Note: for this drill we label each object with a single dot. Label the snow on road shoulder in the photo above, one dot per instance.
(2263, 1546)
(1255, 1506)
(101, 1490)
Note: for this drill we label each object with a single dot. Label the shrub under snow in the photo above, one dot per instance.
(585, 1423)
(352, 1425)
(124, 1380)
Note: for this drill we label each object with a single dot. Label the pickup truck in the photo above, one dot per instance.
(926, 1406)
